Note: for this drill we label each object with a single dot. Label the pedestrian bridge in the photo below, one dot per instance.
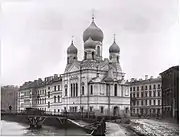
(35, 120)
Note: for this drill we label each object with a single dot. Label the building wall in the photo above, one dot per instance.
(9, 97)
(170, 96)
(146, 97)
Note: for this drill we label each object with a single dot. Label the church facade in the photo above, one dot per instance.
(93, 84)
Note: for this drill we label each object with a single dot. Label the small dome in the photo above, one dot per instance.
(89, 44)
(72, 49)
(114, 48)
(94, 32)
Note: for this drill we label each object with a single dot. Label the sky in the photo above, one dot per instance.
(35, 35)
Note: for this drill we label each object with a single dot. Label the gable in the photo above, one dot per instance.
(73, 67)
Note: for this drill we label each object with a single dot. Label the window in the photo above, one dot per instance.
(150, 93)
(98, 51)
(159, 93)
(146, 102)
(137, 102)
(45, 101)
(54, 88)
(149, 87)
(158, 102)
(58, 110)
(137, 88)
(91, 109)
(66, 91)
(67, 60)
(58, 98)
(82, 109)
(117, 58)
(74, 92)
(54, 110)
(154, 102)
(48, 94)
(133, 88)
(76, 89)
(130, 88)
(154, 93)
(71, 90)
(102, 109)
(154, 86)
(146, 94)
(137, 94)
(142, 94)
(54, 99)
(145, 87)
(85, 55)
(115, 90)
(149, 102)
(48, 87)
(58, 87)
(82, 90)
(142, 102)
(142, 88)
(48, 104)
(91, 89)
(159, 86)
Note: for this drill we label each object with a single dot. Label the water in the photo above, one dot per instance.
(17, 129)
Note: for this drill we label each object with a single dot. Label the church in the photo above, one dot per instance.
(93, 84)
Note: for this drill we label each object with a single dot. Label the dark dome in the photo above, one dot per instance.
(94, 32)
(89, 44)
(72, 49)
(114, 48)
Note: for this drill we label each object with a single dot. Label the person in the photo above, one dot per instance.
(10, 107)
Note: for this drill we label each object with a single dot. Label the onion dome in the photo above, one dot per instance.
(94, 32)
(114, 48)
(90, 44)
(72, 49)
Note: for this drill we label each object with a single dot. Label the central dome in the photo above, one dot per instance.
(94, 32)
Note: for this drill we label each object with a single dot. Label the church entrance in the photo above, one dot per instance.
(116, 111)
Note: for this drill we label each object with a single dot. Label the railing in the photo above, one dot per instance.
(49, 113)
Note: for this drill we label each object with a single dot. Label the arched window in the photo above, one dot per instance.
(58, 98)
(71, 90)
(98, 51)
(68, 60)
(65, 90)
(85, 55)
(91, 89)
(115, 90)
(82, 90)
(76, 89)
(93, 55)
(117, 58)
(54, 99)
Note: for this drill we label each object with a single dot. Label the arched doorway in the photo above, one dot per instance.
(116, 111)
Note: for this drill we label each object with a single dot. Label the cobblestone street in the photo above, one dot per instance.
(155, 127)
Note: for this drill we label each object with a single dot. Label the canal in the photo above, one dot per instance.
(17, 129)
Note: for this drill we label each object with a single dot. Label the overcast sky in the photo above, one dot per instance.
(36, 34)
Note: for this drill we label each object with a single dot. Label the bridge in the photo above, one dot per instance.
(36, 120)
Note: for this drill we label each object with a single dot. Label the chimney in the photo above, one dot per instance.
(146, 77)
(151, 77)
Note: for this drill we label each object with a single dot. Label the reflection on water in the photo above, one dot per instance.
(17, 129)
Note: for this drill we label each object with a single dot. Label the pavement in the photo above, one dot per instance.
(155, 127)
